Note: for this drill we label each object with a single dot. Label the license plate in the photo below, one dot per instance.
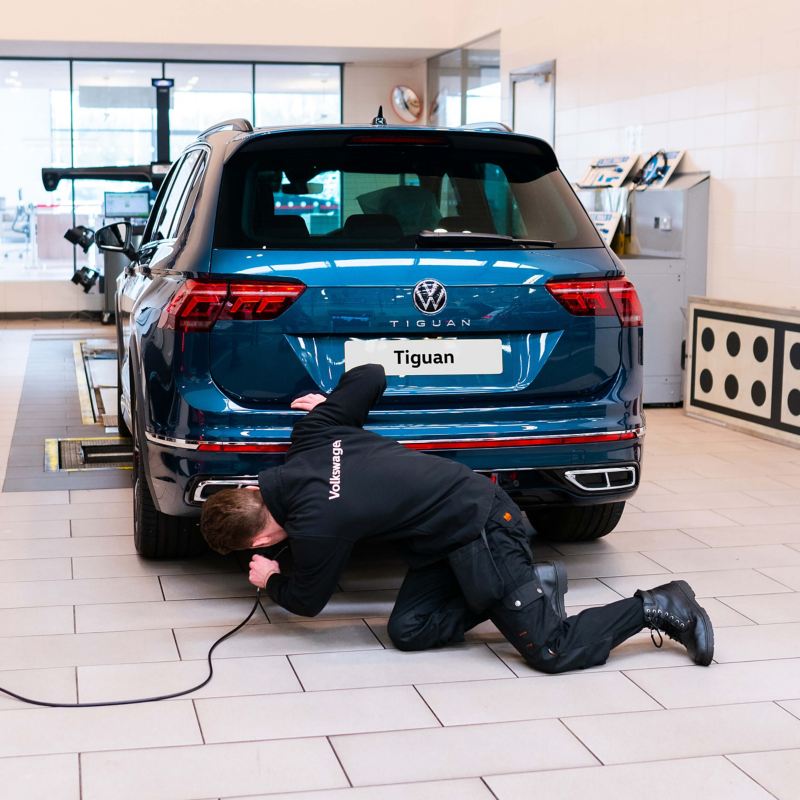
(404, 357)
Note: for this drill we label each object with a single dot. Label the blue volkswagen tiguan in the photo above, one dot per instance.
(461, 260)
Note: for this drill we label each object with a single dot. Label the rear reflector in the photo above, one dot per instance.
(443, 444)
(197, 305)
(616, 297)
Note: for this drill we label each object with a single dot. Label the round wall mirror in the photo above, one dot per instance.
(406, 103)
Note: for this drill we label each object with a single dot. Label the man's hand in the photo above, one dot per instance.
(260, 570)
(308, 402)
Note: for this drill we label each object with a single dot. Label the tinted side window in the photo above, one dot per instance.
(189, 196)
(173, 200)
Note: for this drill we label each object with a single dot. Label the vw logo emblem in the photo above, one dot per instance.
(430, 297)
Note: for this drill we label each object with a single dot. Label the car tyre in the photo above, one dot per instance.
(157, 535)
(576, 523)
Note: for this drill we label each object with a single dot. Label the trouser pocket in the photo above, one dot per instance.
(477, 574)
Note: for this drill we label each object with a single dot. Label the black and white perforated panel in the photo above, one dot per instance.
(746, 367)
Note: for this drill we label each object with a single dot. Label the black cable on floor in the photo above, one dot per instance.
(171, 696)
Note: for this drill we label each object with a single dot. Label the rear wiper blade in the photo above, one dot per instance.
(467, 239)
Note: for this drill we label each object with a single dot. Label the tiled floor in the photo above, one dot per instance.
(326, 708)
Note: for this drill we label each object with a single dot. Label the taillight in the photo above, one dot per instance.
(197, 305)
(600, 299)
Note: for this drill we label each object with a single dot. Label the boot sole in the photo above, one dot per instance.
(704, 658)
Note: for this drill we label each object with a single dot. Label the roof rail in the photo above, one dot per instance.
(486, 126)
(238, 124)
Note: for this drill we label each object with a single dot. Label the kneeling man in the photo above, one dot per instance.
(466, 541)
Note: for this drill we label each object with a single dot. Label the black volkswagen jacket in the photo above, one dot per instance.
(341, 484)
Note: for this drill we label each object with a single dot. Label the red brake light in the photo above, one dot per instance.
(197, 305)
(600, 299)
(260, 300)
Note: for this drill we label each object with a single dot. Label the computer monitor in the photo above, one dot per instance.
(127, 205)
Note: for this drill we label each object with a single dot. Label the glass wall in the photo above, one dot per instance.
(34, 132)
(292, 94)
(464, 84)
(65, 113)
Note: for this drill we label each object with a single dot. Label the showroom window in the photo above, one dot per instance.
(464, 84)
(61, 113)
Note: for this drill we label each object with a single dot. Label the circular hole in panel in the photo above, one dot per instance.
(731, 387)
(758, 393)
(794, 355)
(793, 401)
(760, 348)
(707, 339)
(706, 380)
(733, 343)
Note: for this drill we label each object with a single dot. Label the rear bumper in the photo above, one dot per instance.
(557, 470)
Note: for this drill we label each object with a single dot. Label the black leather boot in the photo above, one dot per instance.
(552, 578)
(672, 609)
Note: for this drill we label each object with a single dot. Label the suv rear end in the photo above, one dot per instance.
(461, 260)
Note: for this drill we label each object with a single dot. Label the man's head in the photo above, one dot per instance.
(237, 519)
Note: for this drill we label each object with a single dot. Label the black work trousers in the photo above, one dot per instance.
(433, 606)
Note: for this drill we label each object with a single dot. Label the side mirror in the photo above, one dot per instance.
(115, 238)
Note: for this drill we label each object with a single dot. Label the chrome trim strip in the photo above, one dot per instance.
(572, 475)
(193, 444)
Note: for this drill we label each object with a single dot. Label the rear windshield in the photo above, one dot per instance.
(353, 194)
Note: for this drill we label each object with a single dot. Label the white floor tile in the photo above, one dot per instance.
(466, 789)
(768, 608)
(393, 667)
(211, 771)
(78, 592)
(52, 685)
(125, 566)
(40, 569)
(305, 714)
(721, 684)
(461, 751)
(281, 639)
(778, 773)
(661, 520)
(25, 652)
(758, 642)
(688, 502)
(198, 587)
(719, 583)
(477, 702)
(67, 547)
(713, 558)
(164, 614)
(41, 777)
(67, 730)
(34, 530)
(101, 496)
(36, 621)
(742, 535)
(33, 498)
(632, 542)
(712, 778)
(232, 677)
(47, 512)
(768, 515)
(788, 576)
(684, 733)
(116, 526)
(596, 565)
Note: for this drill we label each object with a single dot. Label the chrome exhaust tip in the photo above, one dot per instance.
(205, 487)
(605, 479)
